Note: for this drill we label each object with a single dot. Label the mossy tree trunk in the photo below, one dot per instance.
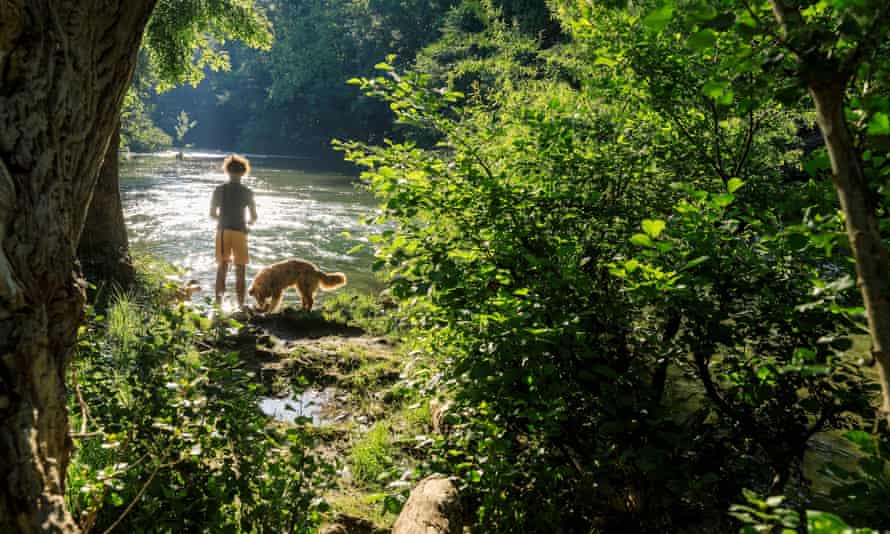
(104, 249)
(64, 69)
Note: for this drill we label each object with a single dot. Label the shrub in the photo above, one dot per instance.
(172, 436)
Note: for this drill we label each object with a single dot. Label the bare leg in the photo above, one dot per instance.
(239, 284)
(221, 271)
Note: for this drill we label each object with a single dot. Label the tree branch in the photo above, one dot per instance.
(721, 170)
(746, 146)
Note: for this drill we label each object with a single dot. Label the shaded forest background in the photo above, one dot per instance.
(293, 98)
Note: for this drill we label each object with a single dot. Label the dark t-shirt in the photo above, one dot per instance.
(232, 199)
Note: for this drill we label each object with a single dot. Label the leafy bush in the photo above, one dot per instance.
(172, 437)
(769, 515)
(561, 328)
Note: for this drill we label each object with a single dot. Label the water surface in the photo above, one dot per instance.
(303, 212)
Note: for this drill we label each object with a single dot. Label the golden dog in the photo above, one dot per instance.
(270, 283)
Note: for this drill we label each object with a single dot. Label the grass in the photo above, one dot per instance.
(372, 453)
(363, 505)
(362, 310)
(123, 322)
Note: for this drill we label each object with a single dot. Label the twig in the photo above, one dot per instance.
(84, 409)
(138, 496)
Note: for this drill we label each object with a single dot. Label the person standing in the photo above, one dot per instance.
(227, 206)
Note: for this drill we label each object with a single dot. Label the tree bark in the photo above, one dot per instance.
(104, 249)
(64, 69)
(872, 266)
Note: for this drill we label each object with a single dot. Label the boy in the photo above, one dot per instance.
(227, 205)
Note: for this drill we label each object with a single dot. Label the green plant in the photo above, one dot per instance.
(867, 486)
(183, 125)
(172, 436)
(371, 454)
(769, 515)
(560, 312)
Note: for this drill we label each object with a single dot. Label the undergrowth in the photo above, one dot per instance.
(169, 436)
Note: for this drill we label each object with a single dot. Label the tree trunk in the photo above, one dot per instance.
(104, 250)
(872, 267)
(64, 69)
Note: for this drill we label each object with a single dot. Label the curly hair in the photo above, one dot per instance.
(236, 165)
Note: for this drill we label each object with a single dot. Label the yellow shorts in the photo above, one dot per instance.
(231, 245)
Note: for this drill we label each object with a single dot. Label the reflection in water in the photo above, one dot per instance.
(306, 404)
(302, 213)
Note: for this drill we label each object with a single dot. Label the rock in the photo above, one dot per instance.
(434, 507)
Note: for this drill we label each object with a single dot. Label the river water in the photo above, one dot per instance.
(304, 211)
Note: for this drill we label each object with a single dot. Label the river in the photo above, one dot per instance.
(304, 211)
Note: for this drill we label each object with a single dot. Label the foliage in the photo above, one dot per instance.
(371, 454)
(532, 331)
(172, 437)
(183, 125)
(614, 242)
(291, 98)
(480, 59)
(138, 131)
(559, 322)
(867, 486)
(181, 41)
(769, 515)
(184, 37)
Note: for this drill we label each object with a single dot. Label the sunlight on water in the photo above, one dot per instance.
(302, 213)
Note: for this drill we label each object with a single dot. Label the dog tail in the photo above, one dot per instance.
(332, 280)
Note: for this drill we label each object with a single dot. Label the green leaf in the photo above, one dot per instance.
(817, 163)
(659, 19)
(879, 124)
(653, 227)
(723, 199)
(714, 89)
(603, 60)
(702, 12)
(702, 40)
(693, 263)
(734, 184)
(642, 240)
(862, 439)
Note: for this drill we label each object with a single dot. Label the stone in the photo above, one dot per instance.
(434, 507)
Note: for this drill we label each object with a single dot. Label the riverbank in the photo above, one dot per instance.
(178, 409)
(347, 387)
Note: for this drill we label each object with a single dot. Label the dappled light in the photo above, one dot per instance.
(445, 266)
